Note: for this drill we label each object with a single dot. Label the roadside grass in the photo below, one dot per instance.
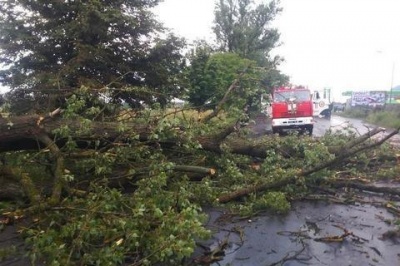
(389, 118)
(355, 112)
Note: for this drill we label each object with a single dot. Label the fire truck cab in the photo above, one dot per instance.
(292, 109)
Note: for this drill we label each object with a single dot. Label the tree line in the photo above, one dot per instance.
(120, 52)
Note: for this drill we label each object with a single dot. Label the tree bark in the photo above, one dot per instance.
(350, 151)
(16, 183)
(34, 132)
(23, 133)
(366, 187)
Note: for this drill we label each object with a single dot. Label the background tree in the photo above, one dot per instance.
(211, 74)
(50, 48)
(198, 92)
(245, 28)
(221, 71)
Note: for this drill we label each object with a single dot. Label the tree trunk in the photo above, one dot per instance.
(346, 152)
(34, 132)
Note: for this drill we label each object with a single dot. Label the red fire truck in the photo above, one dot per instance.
(292, 109)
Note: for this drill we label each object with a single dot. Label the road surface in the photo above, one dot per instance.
(322, 125)
(355, 125)
(364, 227)
(295, 239)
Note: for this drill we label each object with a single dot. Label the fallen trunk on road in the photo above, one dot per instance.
(346, 152)
(35, 132)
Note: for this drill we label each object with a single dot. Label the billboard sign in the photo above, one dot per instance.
(368, 98)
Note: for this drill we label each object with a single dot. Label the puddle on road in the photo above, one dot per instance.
(291, 239)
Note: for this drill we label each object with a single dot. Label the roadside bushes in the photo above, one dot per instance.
(386, 118)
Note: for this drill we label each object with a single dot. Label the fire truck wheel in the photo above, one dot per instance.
(321, 104)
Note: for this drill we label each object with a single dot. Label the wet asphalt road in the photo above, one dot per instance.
(339, 123)
(263, 126)
(355, 125)
(335, 123)
(292, 239)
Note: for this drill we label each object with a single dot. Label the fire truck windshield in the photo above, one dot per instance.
(296, 95)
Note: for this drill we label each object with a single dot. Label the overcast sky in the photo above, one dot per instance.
(341, 44)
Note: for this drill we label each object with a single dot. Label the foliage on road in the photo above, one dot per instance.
(128, 200)
(97, 170)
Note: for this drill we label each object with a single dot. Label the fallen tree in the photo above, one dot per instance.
(35, 132)
(349, 149)
(149, 174)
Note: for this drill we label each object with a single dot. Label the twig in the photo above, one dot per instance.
(339, 238)
(293, 257)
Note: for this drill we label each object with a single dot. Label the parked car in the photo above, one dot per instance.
(338, 107)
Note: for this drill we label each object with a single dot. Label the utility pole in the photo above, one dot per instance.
(391, 84)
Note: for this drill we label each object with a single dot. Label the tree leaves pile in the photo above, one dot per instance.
(118, 174)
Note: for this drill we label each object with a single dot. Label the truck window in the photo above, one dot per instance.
(279, 97)
(298, 95)
(302, 96)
